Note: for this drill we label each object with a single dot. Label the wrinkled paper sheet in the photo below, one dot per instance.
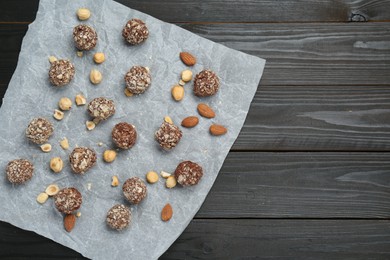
(30, 95)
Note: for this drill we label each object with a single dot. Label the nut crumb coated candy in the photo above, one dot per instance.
(118, 217)
(124, 135)
(68, 200)
(101, 108)
(135, 31)
(168, 135)
(134, 190)
(19, 171)
(137, 79)
(206, 83)
(39, 130)
(85, 37)
(188, 173)
(61, 72)
(82, 159)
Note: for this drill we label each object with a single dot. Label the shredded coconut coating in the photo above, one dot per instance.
(68, 200)
(82, 159)
(168, 135)
(118, 217)
(101, 108)
(39, 130)
(188, 173)
(137, 79)
(124, 135)
(61, 72)
(134, 190)
(19, 171)
(135, 31)
(206, 83)
(85, 37)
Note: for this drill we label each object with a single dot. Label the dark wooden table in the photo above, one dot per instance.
(309, 175)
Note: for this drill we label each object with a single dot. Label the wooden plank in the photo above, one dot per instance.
(226, 10)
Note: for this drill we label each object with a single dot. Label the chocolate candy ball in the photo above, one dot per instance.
(206, 83)
(135, 31)
(85, 37)
(61, 72)
(19, 171)
(124, 135)
(188, 173)
(134, 190)
(118, 217)
(68, 200)
(82, 159)
(39, 130)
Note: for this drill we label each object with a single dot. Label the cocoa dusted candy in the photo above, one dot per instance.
(61, 72)
(134, 190)
(39, 130)
(82, 159)
(206, 83)
(68, 200)
(137, 79)
(135, 31)
(124, 135)
(168, 135)
(101, 108)
(19, 171)
(85, 37)
(188, 173)
(118, 217)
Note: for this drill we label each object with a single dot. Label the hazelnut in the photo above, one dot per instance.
(99, 57)
(152, 177)
(46, 148)
(56, 164)
(83, 14)
(109, 156)
(170, 182)
(80, 100)
(64, 143)
(59, 115)
(90, 125)
(186, 75)
(95, 76)
(168, 120)
(65, 104)
(52, 189)
(52, 59)
(78, 214)
(128, 93)
(42, 198)
(177, 92)
(115, 181)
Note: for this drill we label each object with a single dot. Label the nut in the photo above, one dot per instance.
(100, 143)
(52, 189)
(78, 214)
(64, 143)
(90, 125)
(80, 100)
(56, 164)
(167, 212)
(217, 129)
(52, 59)
(186, 75)
(187, 58)
(115, 181)
(83, 14)
(69, 222)
(99, 57)
(89, 186)
(190, 121)
(168, 120)
(59, 115)
(152, 177)
(177, 92)
(79, 54)
(95, 76)
(170, 182)
(42, 198)
(65, 104)
(205, 111)
(165, 175)
(109, 156)
(128, 93)
(46, 148)
(181, 83)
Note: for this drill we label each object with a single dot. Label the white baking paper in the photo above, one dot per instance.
(30, 95)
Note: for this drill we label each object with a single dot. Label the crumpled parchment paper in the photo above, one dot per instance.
(30, 95)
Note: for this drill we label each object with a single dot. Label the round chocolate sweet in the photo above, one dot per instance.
(82, 159)
(137, 79)
(39, 130)
(19, 171)
(68, 200)
(85, 37)
(168, 135)
(135, 31)
(188, 173)
(118, 217)
(61, 72)
(124, 135)
(206, 83)
(101, 108)
(134, 190)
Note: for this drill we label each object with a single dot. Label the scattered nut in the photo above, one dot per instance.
(187, 58)
(128, 93)
(46, 148)
(78, 214)
(167, 212)
(64, 143)
(95, 76)
(89, 186)
(109, 156)
(152, 177)
(168, 120)
(181, 83)
(90, 125)
(52, 189)
(79, 54)
(170, 182)
(52, 59)
(115, 181)
(190, 121)
(59, 115)
(217, 129)
(80, 100)
(65, 104)
(69, 222)
(165, 175)
(99, 57)
(42, 198)
(83, 14)
(100, 144)
(186, 75)
(177, 92)
(56, 164)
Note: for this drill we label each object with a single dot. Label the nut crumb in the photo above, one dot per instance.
(90, 125)
(79, 54)
(64, 143)
(78, 214)
(168, 120)
(100, 144)
(115, 181)
(59, 115)
(46, 148)
(52, 189)
(52, 59)
(80, 100)
(89, 186)
(165, 175)
(128, 93)
(42, 198)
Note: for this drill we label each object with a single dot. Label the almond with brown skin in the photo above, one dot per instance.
(206, 111)
(69, 222)
(167, 212)
(190, 121)
(218, 129)
(187, 58)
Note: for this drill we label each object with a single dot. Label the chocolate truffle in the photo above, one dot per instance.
(68, 200)
(39, 130)
(134, 190)
(137, 79)
(135, 31)
(124, 135)
(61, 72)
(118, 217)
(101, 108)
(188, 173)
(206, 83)
(82, 159)
(85, 37)
(19, 171)
(168, 135)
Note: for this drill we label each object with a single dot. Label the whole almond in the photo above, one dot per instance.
(218, 129)
(69, 222)
(190, 121)
(167, 212)
(206, 111)
(187, 58)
